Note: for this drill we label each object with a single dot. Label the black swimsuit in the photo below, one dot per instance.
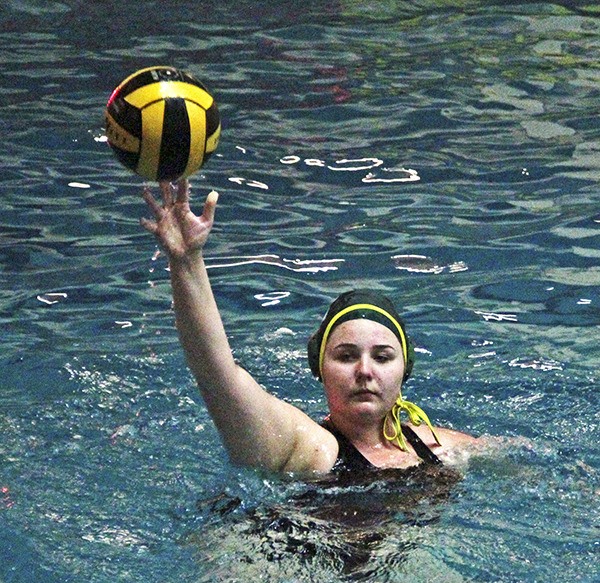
(350, 459)
(343, 518)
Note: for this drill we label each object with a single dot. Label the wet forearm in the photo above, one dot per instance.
(198, 321)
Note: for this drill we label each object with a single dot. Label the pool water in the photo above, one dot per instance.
(446, 153)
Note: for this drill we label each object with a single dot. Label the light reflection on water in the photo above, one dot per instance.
(448, 157)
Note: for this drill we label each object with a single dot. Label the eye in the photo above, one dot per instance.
(345, 356)
(344, 353)
(384, 356)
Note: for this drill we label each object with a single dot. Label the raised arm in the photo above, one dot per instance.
(257, 428)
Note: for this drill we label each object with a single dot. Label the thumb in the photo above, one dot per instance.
(210, 205)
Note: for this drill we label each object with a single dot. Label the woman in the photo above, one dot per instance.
(361, 356)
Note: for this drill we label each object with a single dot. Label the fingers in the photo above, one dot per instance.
(183, 191)
(150, 226)
(182, 196)
(167, 193)
(158, 211)
(152, 203)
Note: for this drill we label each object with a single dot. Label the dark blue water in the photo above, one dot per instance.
(446, 153)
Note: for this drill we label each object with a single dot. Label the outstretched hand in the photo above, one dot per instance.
(179, 231)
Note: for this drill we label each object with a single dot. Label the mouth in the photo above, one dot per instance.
(364, 393)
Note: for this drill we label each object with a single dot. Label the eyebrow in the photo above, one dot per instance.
(352, 345)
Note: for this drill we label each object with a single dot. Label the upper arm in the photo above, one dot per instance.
(260, 430)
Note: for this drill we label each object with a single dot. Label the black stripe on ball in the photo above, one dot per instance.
(154, 75)
(128, 159)
(176, 140)
(125, 119)
(212, 119)
(126, 115)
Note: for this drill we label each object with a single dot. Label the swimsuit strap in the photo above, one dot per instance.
(350, 457)
(420, 448)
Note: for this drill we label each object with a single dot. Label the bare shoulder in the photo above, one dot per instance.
(449, 438)
(452, 438)
(315, 450)
(456, 447)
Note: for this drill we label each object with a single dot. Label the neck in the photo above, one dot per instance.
(361, 432)
(369, 440)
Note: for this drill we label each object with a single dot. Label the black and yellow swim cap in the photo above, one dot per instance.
(352, 305)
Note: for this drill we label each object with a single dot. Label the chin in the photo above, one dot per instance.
(367, 409)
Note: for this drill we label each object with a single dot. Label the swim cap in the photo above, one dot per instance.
(352, 305)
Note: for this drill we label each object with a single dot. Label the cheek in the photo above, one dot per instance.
(396, 375)
(334, 381)
(393, 381)
(329, 372)
(331, 383)
(335, 399)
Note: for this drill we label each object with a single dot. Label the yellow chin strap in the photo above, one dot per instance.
(416, 416)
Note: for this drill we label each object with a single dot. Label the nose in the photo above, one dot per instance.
(364, 367)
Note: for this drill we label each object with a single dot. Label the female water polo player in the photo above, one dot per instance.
(361, 353)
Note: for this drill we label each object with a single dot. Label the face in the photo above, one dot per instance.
(363, 368)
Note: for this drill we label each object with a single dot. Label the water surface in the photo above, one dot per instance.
(446, 154)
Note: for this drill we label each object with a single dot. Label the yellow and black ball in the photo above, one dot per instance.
(162, 123)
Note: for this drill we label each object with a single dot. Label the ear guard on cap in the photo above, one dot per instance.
(410, 361)
(314, 345)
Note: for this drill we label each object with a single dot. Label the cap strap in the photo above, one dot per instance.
(416, 416)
